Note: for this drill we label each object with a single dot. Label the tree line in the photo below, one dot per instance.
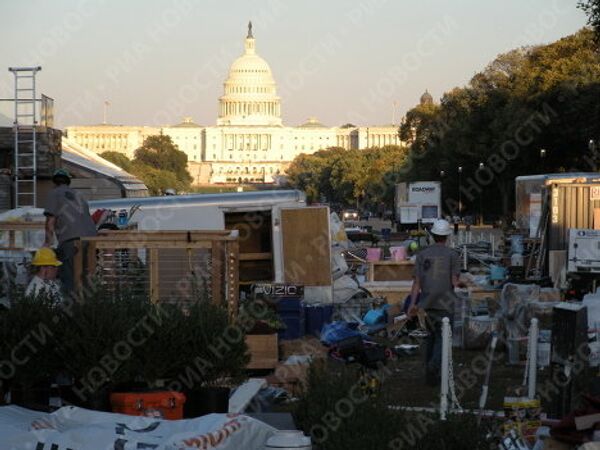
(360, 178)
(531, 110)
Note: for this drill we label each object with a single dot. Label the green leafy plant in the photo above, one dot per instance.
(215, 345)
(98, 341)
(28, 332)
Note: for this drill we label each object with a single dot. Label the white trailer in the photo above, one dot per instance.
(584, 251)
(418, 201)
(282, 240)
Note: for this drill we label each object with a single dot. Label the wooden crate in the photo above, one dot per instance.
(170, 265)
(395, 292)
(264, 351)
(391, 271)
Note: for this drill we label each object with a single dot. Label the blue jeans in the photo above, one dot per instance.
(433, 353)
(65, 253)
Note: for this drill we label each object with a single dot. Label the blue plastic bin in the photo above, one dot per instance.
(317, 316)
(294, 326)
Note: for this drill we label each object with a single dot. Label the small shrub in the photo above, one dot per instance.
(28, 332)
(214, 351)
(96, 342)
(337, 416)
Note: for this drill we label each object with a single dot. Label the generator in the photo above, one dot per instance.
(584, 251)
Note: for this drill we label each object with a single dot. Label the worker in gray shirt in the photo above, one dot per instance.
(67, 217)
(436, 275)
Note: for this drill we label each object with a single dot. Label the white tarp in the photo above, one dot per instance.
(80, 429)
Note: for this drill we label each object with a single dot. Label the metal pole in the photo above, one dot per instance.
(465, 258)
(533, 348)
(486, 384)
(445, 368)
(459, 191)
(493, 245)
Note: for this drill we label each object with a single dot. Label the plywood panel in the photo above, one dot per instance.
(306, 246)
(264, 351)
(596, 218)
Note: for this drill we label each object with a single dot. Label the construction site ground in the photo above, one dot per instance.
(404, 377)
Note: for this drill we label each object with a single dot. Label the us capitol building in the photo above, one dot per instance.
(249, 142)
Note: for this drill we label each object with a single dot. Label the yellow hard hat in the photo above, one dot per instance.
(45, 256)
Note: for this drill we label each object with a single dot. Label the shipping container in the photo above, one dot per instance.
(528, 196)
(573, 205)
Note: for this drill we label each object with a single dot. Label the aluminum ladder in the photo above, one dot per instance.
(24, 130)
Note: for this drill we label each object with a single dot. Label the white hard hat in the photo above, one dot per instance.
(441, 227)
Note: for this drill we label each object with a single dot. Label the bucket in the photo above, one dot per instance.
(516, 244)
(516, 260)
(398, 253)
(289, 440)
(373, 254)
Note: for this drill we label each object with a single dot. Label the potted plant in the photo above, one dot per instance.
(215, 358)
(97, 345)
(28, 330)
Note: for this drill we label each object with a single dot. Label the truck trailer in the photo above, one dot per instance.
(417, 202)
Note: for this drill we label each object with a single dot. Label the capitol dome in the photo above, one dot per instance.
(426, 98)
(250, 92)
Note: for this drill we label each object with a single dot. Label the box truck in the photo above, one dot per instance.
(419, 201)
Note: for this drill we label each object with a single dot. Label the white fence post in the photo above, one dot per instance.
(445, 369)
(533, 349)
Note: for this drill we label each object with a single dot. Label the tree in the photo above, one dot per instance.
(524, 100)
(347, 177)
(149, 165)
(157, 180)
(118, 159)
(592, 9)
(161, 153)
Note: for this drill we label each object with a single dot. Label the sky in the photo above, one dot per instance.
(361, 61)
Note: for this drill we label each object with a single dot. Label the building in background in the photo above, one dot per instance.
(250, 143)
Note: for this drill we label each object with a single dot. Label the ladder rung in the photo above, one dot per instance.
(24, 115)
(20, 180)
(28, 141)
(24, 89)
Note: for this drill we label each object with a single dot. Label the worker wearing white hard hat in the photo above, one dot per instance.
(441, 227)
(437, 269)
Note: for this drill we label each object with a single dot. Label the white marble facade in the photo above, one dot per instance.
(249, 142)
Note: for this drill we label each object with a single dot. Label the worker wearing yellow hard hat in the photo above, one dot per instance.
(45, 256)
(45, 280)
